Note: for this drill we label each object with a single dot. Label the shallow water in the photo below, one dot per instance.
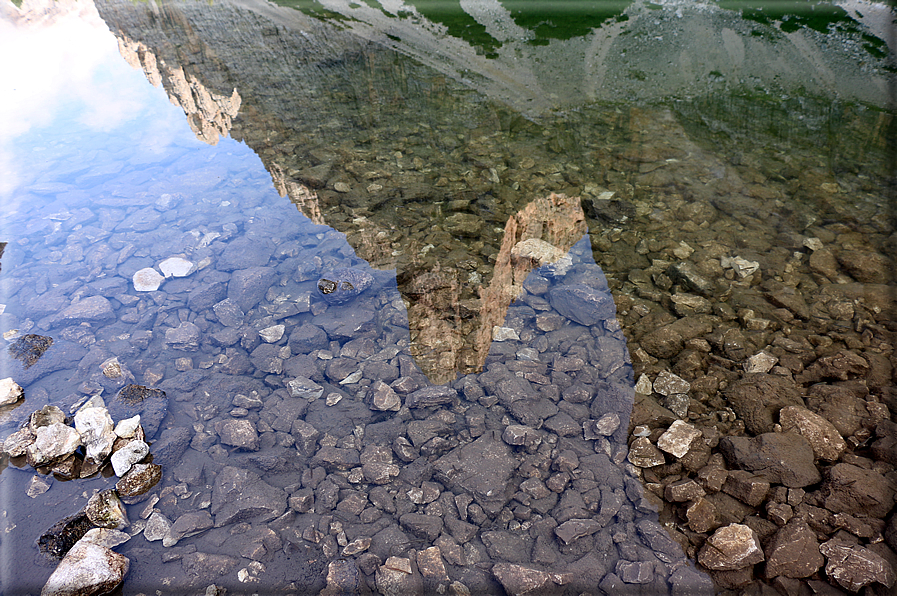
(423, 144)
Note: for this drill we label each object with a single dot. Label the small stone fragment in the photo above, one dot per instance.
(677, 440)
(732, 547)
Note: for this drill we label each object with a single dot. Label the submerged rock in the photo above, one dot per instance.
(29, 348)
(105, 510)
(341, 285)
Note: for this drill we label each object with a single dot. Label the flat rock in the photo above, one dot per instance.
(240, 494)
(147, 280)
(247, 287)
(243, 253)
(92, 309)
(239, 433)
(677, 439)
(433, 395)
(793, 551)
(483, 468)
(584, 304)
(783, 458)
(520, 581)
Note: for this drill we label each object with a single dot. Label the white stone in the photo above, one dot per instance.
(10, 392)
(644, 385)
(176, 267)
(127, 427)
(352, 378)
(333, 399)
(813, 244)
(147, 280)
(503, 334)
(305, 388)
(683, 251)
(127, 456)
(53, 442)
(272, 334)
(742, 267)
(106, 537)
(678, 438)
(157, 527)
(97, 434)
(667, 383)
(38, 485)
(88, 568)
(761, 362)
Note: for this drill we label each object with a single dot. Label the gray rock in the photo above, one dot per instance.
(228, 313)
(239, 433)
(519, 581)
(343, 578)
(483, 468)
(189, 524)
(93, 309)
(307, 338)
(685, 274)
(127, 456)
(243, 253)
(584, 304)
(431, 396)
(341, 285)
(267, 358)
(204, 297)
(823, 437)
(783, 458)
(185, 336)
(240, 494)
(171, 445)
(423, 526)
(205, 565)
(247, 287)
(574, 529)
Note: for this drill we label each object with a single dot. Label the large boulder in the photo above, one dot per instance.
(88, 568)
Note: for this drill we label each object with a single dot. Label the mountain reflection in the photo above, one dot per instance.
(424, 172)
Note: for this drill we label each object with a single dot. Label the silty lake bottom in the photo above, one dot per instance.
(631, 347)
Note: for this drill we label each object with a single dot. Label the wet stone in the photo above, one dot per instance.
(430, 564)
(519, 581)
(667, 383)
(635, 572)
(574, 529)
(853, 490)
(88, 568)
(385, 398)
(757, 398)
(603, 427)
(29, 348)
(583, 304)
(52, 442)
(62, 535)
(735, 546)
(784, 458)
(185, 336)
(239, 495)
(139, 479)
(228, 313)
(678, 439)
(483, 468)
(683, 490)
(854, 566)
(341, 285)
(431, 396)
(105, 510)
(305, 388)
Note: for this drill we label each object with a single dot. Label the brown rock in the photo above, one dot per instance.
(429, 562)
(853, 490)
(823, 437)
(519, 581)
(757, 397)
(783, 458)
(853, 566)
(793, 552)
(733, 547)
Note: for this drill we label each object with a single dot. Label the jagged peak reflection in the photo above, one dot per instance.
(209, 114)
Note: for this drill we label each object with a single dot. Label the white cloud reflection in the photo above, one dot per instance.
(62, 76)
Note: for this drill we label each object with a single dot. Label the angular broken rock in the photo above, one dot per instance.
(105, 510)
(433, 395)
(574, 529)
(735, 546)
(127, 456)
(88, 568)
(853, 566)
(176, 267)
(823, 437)
(10, 392)
(305, 388)
(52, 442)
(519, 581)
(239, 494)
(677, 440)
(643, 454)
(395, 578)
(139, 479)
(482, 468)
(239, 433)
(97, 433)
(385, 398)
(667, 383)
(793, 552)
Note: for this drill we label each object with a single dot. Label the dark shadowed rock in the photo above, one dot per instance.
(584, 304)
(341, 285)
(853, 490)
(239, 494)
(243, 253)
(782, 458)
(793, 551)
(248, 286)
(757, 398)
(483, 468)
